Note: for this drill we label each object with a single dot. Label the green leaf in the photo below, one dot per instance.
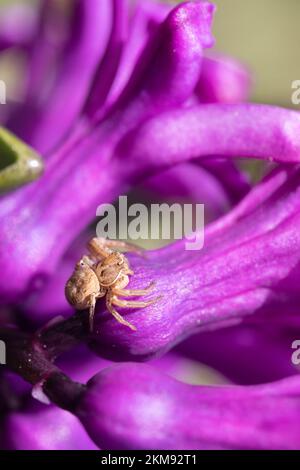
(19, 163)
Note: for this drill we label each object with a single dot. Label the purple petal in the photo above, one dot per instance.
(247, 130)
(146, 20)
(235, 181)
(50, 301)
(109, 64)
(51, 118)
(223, 80)
(17, 25)
(133, 406)
(176, 51)
(190, 183)
(45, 428)
(216, 183)
(246, 354)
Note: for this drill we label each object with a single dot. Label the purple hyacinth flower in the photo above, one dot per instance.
(138, 102)
(90, 164)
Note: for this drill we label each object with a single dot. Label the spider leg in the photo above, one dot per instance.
(102, 246)
(133, 303)
(125, 246)
(93, 300)
(92, 312)
(98, 248)
(134, 292)
(117, 316)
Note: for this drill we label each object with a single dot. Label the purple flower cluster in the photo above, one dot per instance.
(116, 94)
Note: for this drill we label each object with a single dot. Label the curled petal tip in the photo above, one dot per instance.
(198, 14)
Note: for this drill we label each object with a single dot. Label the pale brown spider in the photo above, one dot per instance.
(105, 272)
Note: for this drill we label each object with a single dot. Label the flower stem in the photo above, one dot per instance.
(32, 357)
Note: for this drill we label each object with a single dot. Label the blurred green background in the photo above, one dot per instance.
(265, 35)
